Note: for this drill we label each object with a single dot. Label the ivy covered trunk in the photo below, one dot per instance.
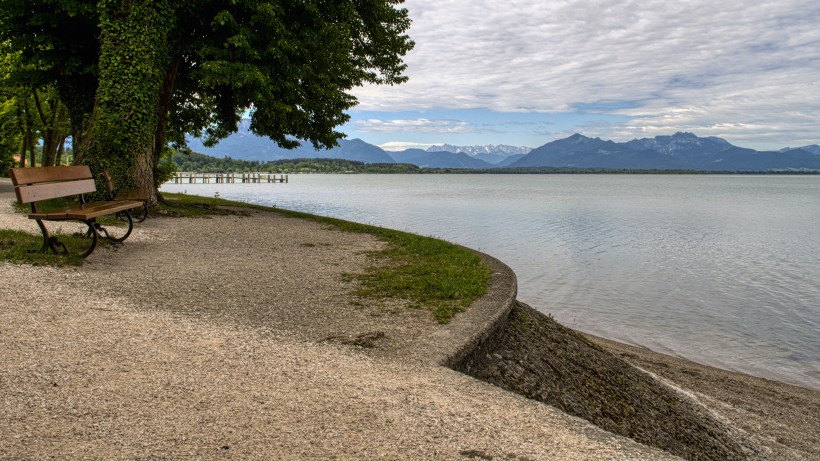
(133, 65)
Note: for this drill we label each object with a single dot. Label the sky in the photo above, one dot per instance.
(527, 72)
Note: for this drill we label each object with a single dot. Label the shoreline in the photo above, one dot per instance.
(782, 416)
(6, 187)
(773, 411)
(758, 373)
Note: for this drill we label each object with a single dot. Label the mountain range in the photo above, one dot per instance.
(680, 151)
(244, 145)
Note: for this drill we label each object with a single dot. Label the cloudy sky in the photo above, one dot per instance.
(527, 72)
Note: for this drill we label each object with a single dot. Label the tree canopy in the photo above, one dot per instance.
(136, 74)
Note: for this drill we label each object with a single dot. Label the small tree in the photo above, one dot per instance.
(16, 115)
(54, 124)
(9, 136)
(29, 115)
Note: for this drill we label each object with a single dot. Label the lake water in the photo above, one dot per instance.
(724, 270)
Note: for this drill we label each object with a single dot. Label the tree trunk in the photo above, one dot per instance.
(53, 122)
(22, 127)
(144, 173)
(30, 137)
(51, 142)
(133, 65)
(54, 134)
(47, 121)
(165, 98)
(22, 163)
(31, 148)
(78, 144)
(58, 159)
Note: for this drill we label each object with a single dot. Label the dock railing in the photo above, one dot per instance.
(183, 177)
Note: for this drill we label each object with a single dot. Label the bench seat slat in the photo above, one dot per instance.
(56, 213)
(85, 211)
(94, 210)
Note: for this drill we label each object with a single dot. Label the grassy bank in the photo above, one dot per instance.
(429, 273)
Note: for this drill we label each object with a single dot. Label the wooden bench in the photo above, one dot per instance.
(138, 195)
(34, 185)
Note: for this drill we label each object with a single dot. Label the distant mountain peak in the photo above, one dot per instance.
(812, 148)
(684, 134)
(499, 149)
(581, 139)
(682, 151)
(681, 144)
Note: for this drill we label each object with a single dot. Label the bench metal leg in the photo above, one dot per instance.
(44, 231)
(140, 214)
(81, 243)
(119, 232)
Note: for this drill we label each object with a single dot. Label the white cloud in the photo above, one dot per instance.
(735, 68)
(421, 125)
(397, 146)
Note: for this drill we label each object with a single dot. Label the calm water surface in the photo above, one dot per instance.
(724, 270)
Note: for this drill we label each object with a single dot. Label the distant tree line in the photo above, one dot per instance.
(199, 163)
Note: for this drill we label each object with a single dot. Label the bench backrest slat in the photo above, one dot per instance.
(50, 190)
(44, 183)
(109, 181)
(21, 176)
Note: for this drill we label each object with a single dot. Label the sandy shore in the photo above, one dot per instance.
(224, 338)
(784, 418)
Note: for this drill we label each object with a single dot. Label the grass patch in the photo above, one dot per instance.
(23, 248)
(194, 206)
(427, 272)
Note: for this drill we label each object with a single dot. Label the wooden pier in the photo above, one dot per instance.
(181, 177)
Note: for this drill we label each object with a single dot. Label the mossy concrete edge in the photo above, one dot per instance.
(470, 329)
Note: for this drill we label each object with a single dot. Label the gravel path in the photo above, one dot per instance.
(223, 338)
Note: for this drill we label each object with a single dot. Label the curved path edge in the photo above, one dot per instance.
(484, 318)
